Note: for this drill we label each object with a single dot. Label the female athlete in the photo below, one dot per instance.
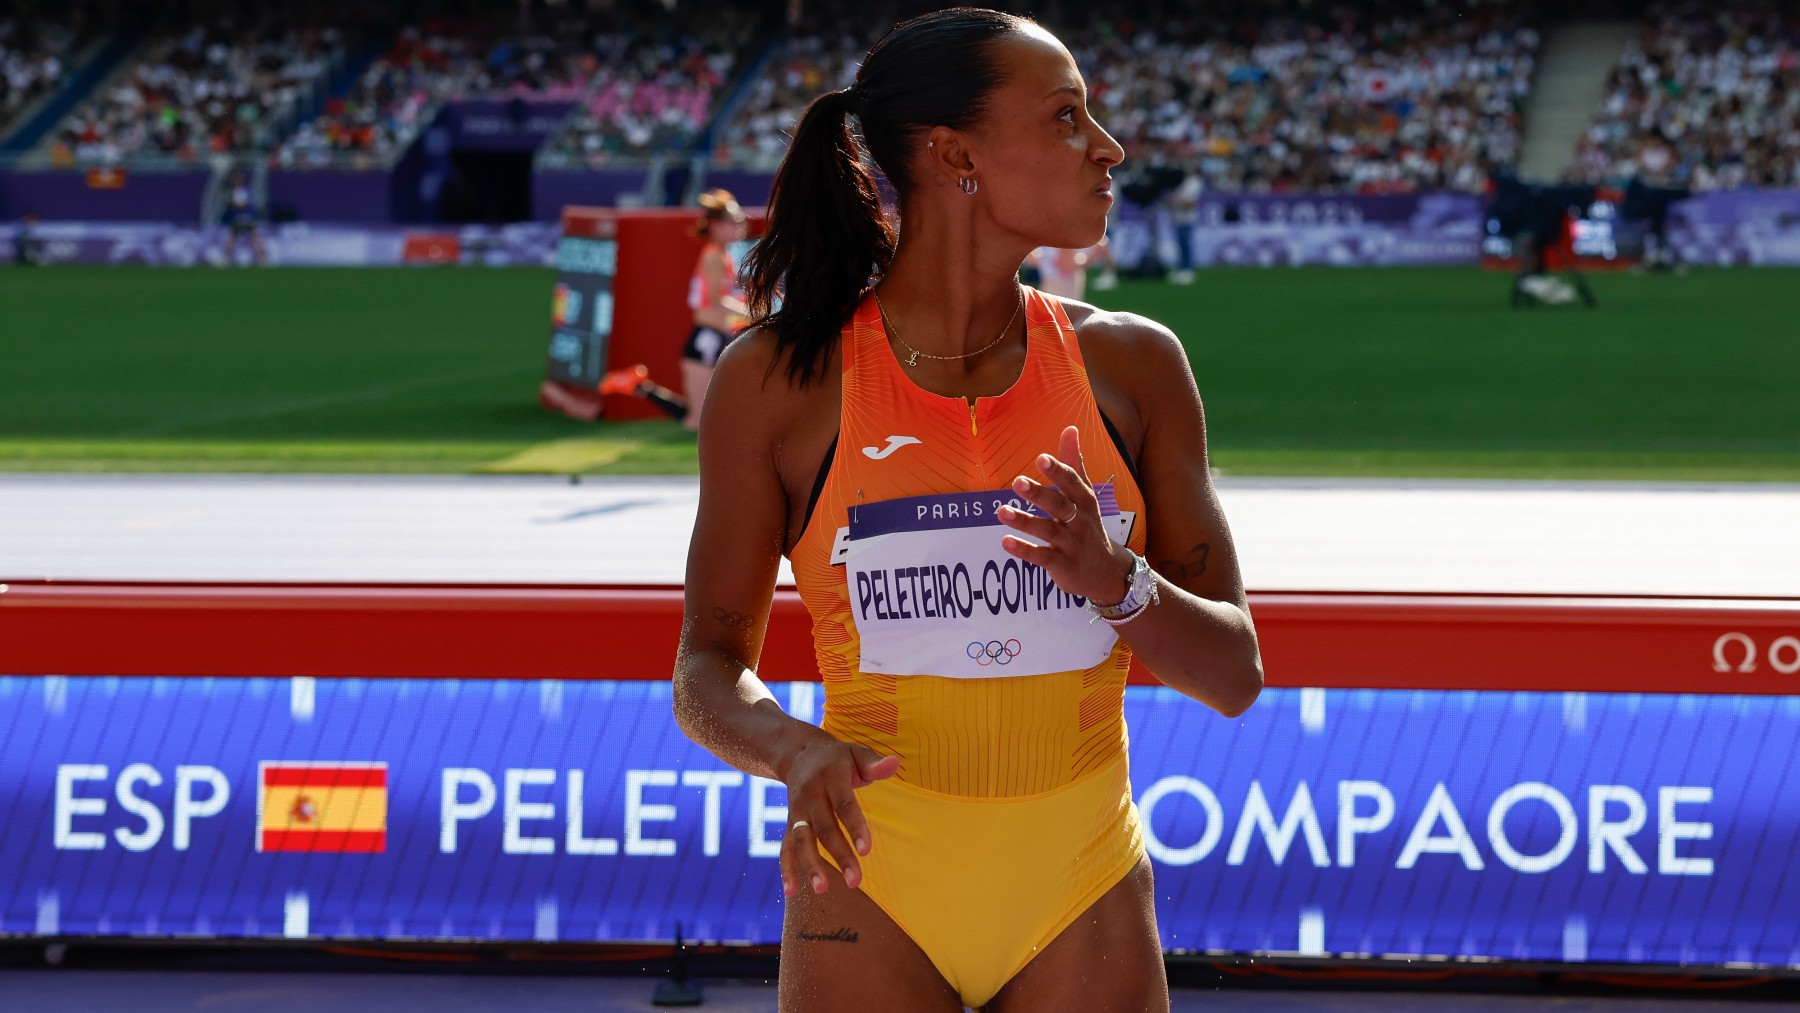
(714, 297)
(967, 476)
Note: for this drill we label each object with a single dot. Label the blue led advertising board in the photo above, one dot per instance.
(1533, 826)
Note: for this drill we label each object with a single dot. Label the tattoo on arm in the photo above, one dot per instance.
(736, 620)
(843, 935)
(1193, 565)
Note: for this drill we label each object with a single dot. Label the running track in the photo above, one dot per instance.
(1292, 534)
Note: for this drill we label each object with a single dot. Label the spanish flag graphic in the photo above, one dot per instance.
(322, 807)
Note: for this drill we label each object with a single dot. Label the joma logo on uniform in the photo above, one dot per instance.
(893, 443)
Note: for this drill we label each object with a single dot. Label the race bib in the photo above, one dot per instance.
(933, 593)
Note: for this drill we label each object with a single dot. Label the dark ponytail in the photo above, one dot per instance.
(826, 233)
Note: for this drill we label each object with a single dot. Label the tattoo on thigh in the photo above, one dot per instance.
(843, 935)
(1192, 566)
(736, 620)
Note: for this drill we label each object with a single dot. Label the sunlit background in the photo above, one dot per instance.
(342, 470)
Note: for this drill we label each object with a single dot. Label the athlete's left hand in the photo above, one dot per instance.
(1070, 540)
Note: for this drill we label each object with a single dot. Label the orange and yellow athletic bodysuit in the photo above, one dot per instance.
(1011, 812)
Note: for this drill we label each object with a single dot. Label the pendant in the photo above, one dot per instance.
(913, 360)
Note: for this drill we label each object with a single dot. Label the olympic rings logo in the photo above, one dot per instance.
(994, 652)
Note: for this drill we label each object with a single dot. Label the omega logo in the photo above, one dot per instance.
(1783, 654)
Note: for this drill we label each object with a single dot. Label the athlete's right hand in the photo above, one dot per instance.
(821, 778)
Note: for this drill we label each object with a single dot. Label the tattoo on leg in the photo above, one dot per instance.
(1192, 566)
(843, 935)
(735, 620)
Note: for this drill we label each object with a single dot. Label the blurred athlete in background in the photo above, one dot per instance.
(240, 219)
(719, 313)
(1063, 272)
(714, 296)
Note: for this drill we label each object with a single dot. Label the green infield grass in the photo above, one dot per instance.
(1377, 372)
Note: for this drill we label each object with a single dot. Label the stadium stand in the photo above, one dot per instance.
(1707, 98)
(809, 62)
(34, 54)
(640, 88)
(1273, 97)
(1421, 101)
(437, 61)
(215, 87)
(657, 93)
(554, 63)
(391, 99)
(1253, 97)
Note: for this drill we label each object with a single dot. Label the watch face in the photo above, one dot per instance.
(1135, 585)
(1138, 585)
(1140, 576)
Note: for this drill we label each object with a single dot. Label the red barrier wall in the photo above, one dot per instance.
(1346, 640)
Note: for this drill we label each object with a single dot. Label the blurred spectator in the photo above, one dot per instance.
(641, 84)
(33, 55)
(824, 46)
(1708, 98)
(28, 246)
(386, 106)
(656, 93)
(240, 219)
(214, 88)
(555, 63)
(1271, 95)
(806, 66)
(1339, 100)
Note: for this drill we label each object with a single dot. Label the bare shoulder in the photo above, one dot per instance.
(746, 396)
(751, 370)
(1128, 349)
(754, 398)
(750, 353)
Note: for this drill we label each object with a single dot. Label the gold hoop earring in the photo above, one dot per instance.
(968, 185)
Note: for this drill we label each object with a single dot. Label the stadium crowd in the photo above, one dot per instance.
(1232, 96)
(33, 56)
(657, 93)
(1254, 97)
(386, 106)
(215, 87)
(641, 85)
(553, 63)
(1348, 103)
(1707, 98)
(810, 62)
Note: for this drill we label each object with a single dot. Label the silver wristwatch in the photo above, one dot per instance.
(1140, 591)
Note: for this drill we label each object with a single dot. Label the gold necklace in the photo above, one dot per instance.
(916, 355)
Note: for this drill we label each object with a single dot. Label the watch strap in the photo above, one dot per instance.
(1140, 590)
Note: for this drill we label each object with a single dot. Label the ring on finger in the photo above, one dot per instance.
(798, 824)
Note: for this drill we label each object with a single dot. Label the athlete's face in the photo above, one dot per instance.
(728, 230)
(1043, 163)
